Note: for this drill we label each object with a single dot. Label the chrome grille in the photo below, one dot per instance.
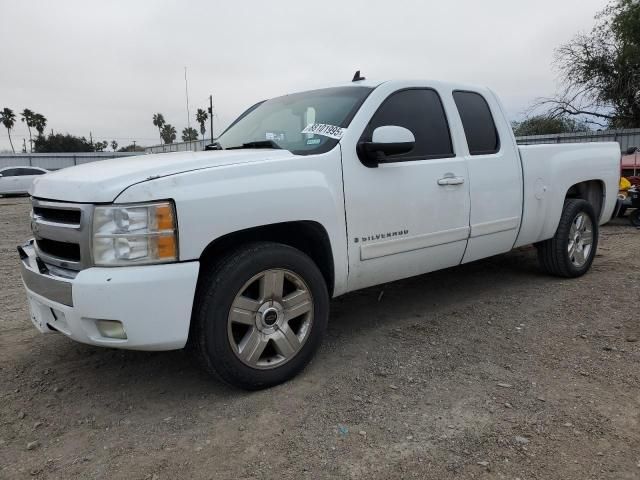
(62, 233)
(58, 215)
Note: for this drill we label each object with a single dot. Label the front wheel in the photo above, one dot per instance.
(634, 218)
(571, 251)
(259, 315)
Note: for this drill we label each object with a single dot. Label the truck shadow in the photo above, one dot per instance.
(172, 375)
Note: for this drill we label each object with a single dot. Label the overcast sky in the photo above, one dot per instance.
(106, 66)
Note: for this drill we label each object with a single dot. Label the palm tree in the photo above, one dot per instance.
(201, 117)
(189, 134)
(114, 145)
(8, 119)
(39, 122)
(168, 133)
(159, 121)
(27, 117)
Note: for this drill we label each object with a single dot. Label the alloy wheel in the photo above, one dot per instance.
(270, 319)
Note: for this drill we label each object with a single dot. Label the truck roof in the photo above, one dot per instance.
(403, 83)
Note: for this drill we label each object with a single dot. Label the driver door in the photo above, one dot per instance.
(410, 215)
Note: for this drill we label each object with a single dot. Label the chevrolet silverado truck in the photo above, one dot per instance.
(236, 252)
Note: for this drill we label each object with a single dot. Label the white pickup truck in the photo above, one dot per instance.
(235, 252)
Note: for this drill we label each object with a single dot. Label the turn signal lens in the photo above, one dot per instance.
(164, 217)
(166, 247)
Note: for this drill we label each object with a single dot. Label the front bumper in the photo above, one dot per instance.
(153, 303)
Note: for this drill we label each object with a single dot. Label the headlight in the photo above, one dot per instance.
(134, 234)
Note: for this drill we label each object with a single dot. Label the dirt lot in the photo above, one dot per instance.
(491, 370)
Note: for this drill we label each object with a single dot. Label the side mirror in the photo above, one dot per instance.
(632, 150)
(386, 141)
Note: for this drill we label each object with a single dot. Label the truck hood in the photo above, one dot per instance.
(102, 181)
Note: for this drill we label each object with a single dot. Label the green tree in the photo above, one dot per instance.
(8, 119)
(62, 143)
(600, 70)
(39, 122)
(168, 133)
(544, 125)
(114, 145)
(159, 122)
(27, 117)
(201, 117)
(132, 148)
(100, 146)
(189, 134)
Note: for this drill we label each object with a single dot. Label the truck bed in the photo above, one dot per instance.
(549, 172)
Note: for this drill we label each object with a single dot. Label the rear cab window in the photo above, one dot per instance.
(477, 120)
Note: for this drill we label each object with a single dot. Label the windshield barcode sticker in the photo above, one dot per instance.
(325, 130)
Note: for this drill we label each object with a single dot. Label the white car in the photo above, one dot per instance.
(236, 252)
(18, 180)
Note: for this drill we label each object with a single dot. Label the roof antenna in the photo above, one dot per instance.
(357, 77)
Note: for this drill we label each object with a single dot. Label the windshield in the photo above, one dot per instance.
(279, 122)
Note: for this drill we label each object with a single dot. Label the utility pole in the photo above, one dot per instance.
(211, 115)
(134, 146)
(90, 138)
(186, 93)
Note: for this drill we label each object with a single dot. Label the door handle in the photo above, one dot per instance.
(450, 181)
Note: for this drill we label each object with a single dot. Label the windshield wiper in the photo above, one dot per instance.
(258, 144)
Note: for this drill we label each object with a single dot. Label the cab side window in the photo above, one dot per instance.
(421, 112)
(30, 171)
(479, 127)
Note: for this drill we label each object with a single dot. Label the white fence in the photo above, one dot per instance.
(194, 146)
(56, 161)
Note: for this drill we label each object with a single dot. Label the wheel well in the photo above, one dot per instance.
(592, 191)
(307, 236)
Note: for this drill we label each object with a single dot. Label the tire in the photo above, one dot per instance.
(566, 255)
(634, 218)
(259, 315)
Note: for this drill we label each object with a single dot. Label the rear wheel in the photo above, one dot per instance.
(259, 316)
(571, 251)
(634, 217)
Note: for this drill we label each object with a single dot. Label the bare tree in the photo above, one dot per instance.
(600, 71)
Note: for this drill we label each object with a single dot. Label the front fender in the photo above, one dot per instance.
(214, 202)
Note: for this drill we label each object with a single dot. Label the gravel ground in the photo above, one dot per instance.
(491, 370)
